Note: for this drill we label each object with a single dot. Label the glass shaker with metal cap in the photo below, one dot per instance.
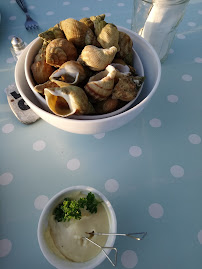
(17, 48)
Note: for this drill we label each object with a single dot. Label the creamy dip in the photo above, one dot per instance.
(66, 238)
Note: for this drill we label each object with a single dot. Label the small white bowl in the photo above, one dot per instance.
(55, 260)
(33, 50)
(152, 72)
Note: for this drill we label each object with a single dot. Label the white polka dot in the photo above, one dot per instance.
(66, 3)
(10, 60)
(156, 211)
(111, 185)
(120, 4)
(187, 77)
(171, 51)
(85, 8)
(155, 123)
(50, 13)
(8, 128)
(177, 171)
(99, 136)
(200, 12)
(192, 24)
(194, 139)
(181, 36)
(5, 247)
(12, 1)
(200, 237)
(172, 98)
(40, 202)
(12, 18)
(129, 21)
(129, 259)
(135, 151)
(31, 7)
(6, 178)
(198, 60)
(73, 164)
(108, 14)
(39, 145)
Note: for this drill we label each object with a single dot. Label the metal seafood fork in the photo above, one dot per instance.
(30, 24)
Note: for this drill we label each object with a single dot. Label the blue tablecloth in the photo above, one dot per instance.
(150, 169)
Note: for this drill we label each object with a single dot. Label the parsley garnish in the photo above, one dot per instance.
(71, 209)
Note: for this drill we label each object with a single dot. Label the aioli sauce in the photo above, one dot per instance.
(65, 238)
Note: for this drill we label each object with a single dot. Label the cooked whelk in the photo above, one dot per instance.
(70, 72)
(106, 106)
(125, 44)
(101, 85)
(97, 58)
(77, 32)
(52, 33)
(109, 36)
(48, 84)
(125, 89)
(67, 101)
(98, 22)
(40, 69)
(59, 51)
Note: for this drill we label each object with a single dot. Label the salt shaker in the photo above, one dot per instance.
(17, 48)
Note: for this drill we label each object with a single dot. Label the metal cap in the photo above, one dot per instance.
(17, 43)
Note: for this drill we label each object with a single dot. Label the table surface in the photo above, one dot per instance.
(149, 169)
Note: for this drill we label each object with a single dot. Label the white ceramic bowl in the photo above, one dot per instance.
(43, 223)
(152, 71)
(33, 50)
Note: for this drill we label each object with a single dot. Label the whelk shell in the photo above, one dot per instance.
(70, 72)
(48, 84)
(125, 44)
(59, 51)
(98, 22)
(52, 33)
(77, 32)
(109, 36)
(40, 69)
(97, 58)
(67, 101)
(88, 23)
(101, 85)
(106, 106)
(125, 89)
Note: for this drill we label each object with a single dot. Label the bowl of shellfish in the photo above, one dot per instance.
(90, 76)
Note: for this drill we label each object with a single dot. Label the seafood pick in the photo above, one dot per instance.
(85, 67)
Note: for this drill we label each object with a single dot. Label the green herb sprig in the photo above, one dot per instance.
(71, 209)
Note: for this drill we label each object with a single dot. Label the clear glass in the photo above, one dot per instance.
(157, 22)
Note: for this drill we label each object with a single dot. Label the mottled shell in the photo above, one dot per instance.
(109, 36)
(88, 23)
(77, 32)
(59, 51)
(98, 22)
(106, 106)
(121, 70)
(52, 33)
(101, 85)
(70, 72)
(48, 84)
(125, 89)
(125, 44)
(67, 101)
(40, 69)
(97, 58)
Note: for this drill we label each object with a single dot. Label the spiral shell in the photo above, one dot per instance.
(106, 106)
(52, 33)
(97, 58)
(88, 23)
(101, 85)
(67, 101)
(125, 44)
(48, 84)
(125, 89)
(98, 22)
(109, 36)
(70, 72)
(40, 69)
(77, 32)
(59, 51)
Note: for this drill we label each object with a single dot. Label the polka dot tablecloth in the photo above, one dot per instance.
(150, 169)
